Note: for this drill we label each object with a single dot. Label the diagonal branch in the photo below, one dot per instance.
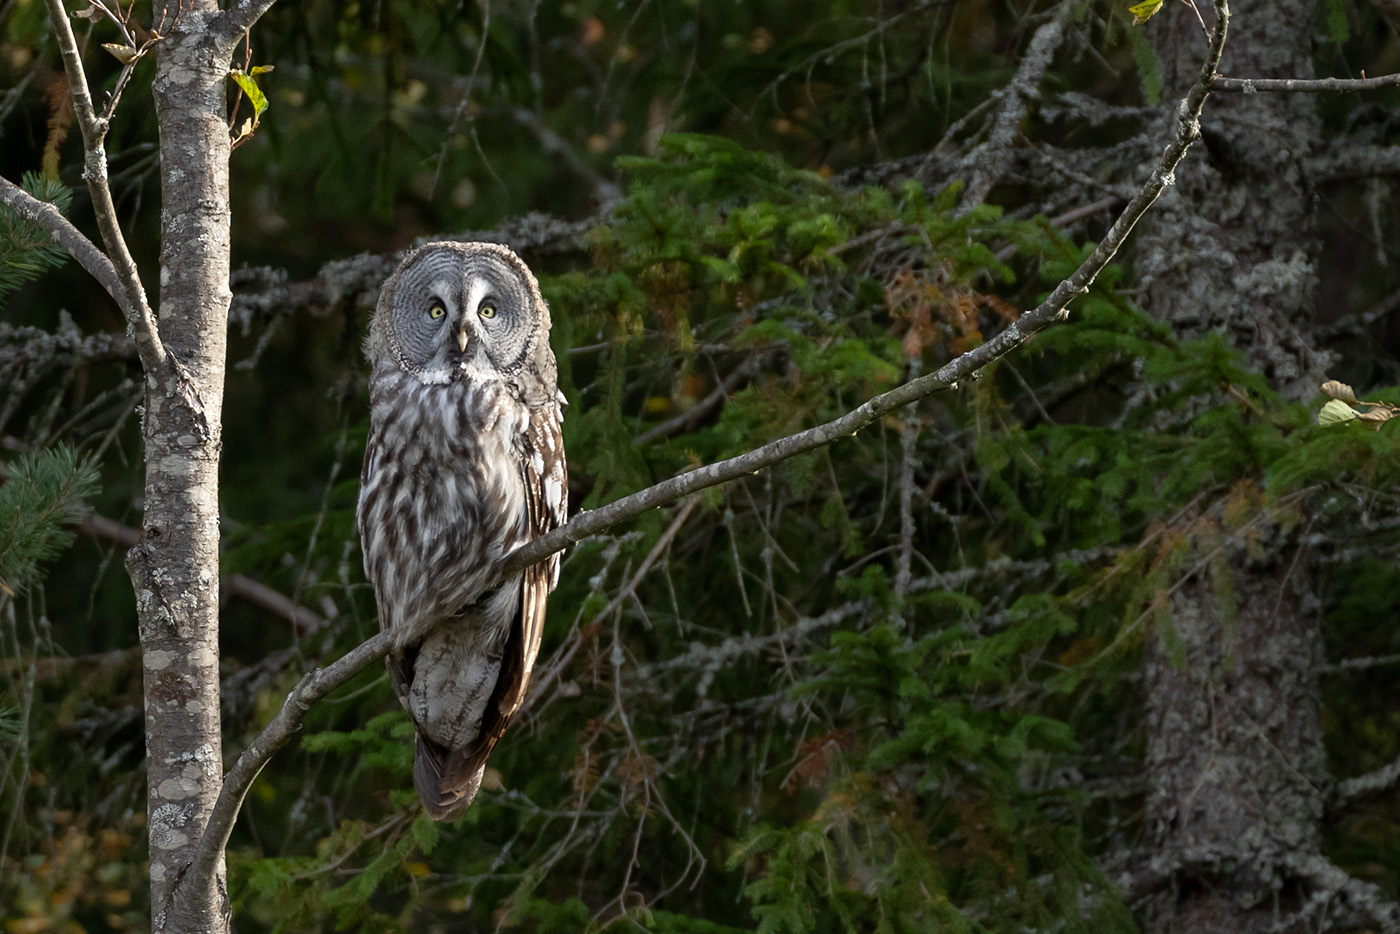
(318, 683)
(131, 295)
(313, 686)
(1054, 309)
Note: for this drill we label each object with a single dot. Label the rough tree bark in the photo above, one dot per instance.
(1233, 247)
(1236, 773)
(1237, 776)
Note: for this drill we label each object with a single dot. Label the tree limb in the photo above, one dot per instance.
(87, 253)
(94, 130)
(1382, 779)
(320, 682)
(302, 620)
(239, 18)
(989, 161)
(313, 686)
(1251, 85)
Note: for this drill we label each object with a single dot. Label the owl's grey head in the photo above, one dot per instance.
(455, 311)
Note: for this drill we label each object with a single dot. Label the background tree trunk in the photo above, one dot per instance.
(1235, 764)
(1233, 246)
(1236, 771)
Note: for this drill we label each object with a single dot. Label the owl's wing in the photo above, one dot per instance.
(400, 668)
(544, 477)
(453, 776)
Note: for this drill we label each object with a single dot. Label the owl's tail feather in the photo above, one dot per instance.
(446, 779)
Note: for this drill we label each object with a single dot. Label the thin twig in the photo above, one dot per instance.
(1251, 85)
(700, 410)
(1361, 664)
(662, 543)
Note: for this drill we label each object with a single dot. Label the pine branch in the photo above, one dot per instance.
(320, 682)
(45, 215)
(41, 493)
(27, 249)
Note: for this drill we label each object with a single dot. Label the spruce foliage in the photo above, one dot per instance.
(27, 251)
(42, 492)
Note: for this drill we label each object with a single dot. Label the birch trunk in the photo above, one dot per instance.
(175, 565)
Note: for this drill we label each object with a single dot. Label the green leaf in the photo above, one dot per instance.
(250, 87)
(1335, 411)
(1144, 11)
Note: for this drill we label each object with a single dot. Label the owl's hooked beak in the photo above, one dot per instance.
(462, 337)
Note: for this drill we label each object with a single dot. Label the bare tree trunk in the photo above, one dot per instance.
(1236, 771)
(1233, 247)
(1235, 760)
(175, 565)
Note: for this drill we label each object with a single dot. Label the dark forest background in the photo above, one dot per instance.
(1103, 640)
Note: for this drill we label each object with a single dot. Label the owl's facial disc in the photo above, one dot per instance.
(497, 317)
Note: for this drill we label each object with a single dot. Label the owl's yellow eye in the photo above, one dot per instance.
(437, 311)
(487, 311)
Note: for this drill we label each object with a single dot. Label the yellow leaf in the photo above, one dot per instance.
(1335, 411)
(1144, 11)
(244, 131)
(123, 53)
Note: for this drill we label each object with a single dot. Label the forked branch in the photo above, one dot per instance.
(318, 683)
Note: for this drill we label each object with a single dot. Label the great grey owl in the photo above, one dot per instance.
(465, 462)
